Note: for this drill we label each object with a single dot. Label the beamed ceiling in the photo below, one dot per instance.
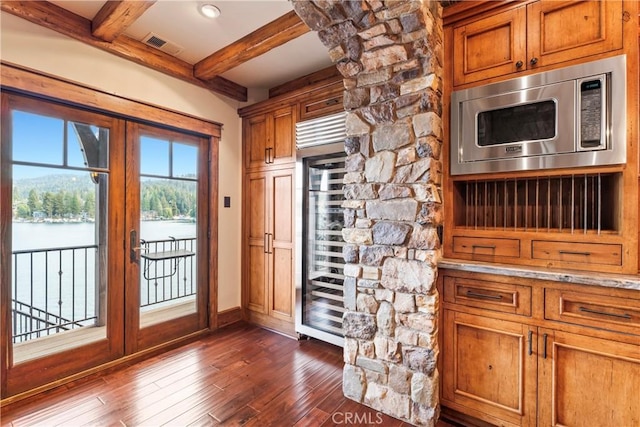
(261, 53)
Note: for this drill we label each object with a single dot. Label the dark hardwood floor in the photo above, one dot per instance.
(240, 375)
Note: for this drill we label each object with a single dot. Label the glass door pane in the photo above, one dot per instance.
(58, 280)
(167, 222)
(323, 263)
(59, 218)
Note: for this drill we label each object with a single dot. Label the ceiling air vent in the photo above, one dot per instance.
(158, 42)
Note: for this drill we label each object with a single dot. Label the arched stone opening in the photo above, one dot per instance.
(390, 55)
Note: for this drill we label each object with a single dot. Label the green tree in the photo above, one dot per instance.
(23, 211)
(90, 204)
(58, 204)
(74, 204)
(48, 203)
(33, 201)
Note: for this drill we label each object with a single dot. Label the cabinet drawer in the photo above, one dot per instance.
(515, 299)
(321, 107)
(582, 253)
(598, 311)
(486, 246)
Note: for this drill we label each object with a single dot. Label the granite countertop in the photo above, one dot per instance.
(609, 280)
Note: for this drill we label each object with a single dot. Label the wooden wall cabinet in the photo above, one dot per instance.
(268, 288)
(523, 352)
(534, 36)
(270, 138)
(532, 217)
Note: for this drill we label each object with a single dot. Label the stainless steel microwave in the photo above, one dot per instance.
(568, 117)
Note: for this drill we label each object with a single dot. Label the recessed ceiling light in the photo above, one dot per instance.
(209, 10)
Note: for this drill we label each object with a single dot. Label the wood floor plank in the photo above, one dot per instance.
(241, 375)
(314, 418)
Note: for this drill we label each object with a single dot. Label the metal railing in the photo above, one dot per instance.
(57, 289)
(53, 290)
(168, 270)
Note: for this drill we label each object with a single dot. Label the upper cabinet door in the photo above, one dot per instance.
(282, 143)
(270, 138)
(560, 31)
(490, 47)
(255, 136)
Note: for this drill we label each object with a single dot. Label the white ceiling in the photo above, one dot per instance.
(181, 23)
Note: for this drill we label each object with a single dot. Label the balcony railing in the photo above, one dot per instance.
(58, 289)
(168, 270)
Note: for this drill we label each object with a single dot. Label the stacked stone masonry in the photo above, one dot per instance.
(390, 54)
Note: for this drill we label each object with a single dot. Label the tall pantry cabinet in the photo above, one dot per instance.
(268, 249)
(269, 148)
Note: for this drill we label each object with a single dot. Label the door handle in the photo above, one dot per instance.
(133, 245)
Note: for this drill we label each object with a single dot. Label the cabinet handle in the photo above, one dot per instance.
(530, 343)
(331, 102)
(265, 241)
(270, 243)
(602, 313)
(270, 154)
(544, 348)
(574, 253)
(519, 64)
(534, 61)
(472, 294)
(266, 155)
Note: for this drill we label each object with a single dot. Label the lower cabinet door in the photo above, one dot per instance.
(489, 368)
(585, 381)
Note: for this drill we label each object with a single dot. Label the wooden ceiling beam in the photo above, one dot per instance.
(62, 21)
(330, 73)
(116, 16)
(262, 40)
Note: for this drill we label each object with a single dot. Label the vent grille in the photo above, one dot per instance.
(159, 43)
(156, 42)
(324, 130)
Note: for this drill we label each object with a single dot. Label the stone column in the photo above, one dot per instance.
(390, 54)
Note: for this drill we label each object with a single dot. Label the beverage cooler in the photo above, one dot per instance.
(319, 261)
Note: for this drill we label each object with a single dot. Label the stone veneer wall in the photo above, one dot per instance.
(390, 54)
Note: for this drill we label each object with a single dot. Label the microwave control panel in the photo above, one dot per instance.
(592, 109)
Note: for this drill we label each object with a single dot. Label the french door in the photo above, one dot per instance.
(103, 227)
(167, 225)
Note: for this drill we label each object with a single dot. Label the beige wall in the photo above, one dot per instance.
(32, 46)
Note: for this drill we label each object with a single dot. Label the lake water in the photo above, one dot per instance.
(37, 279)
(39, 235)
